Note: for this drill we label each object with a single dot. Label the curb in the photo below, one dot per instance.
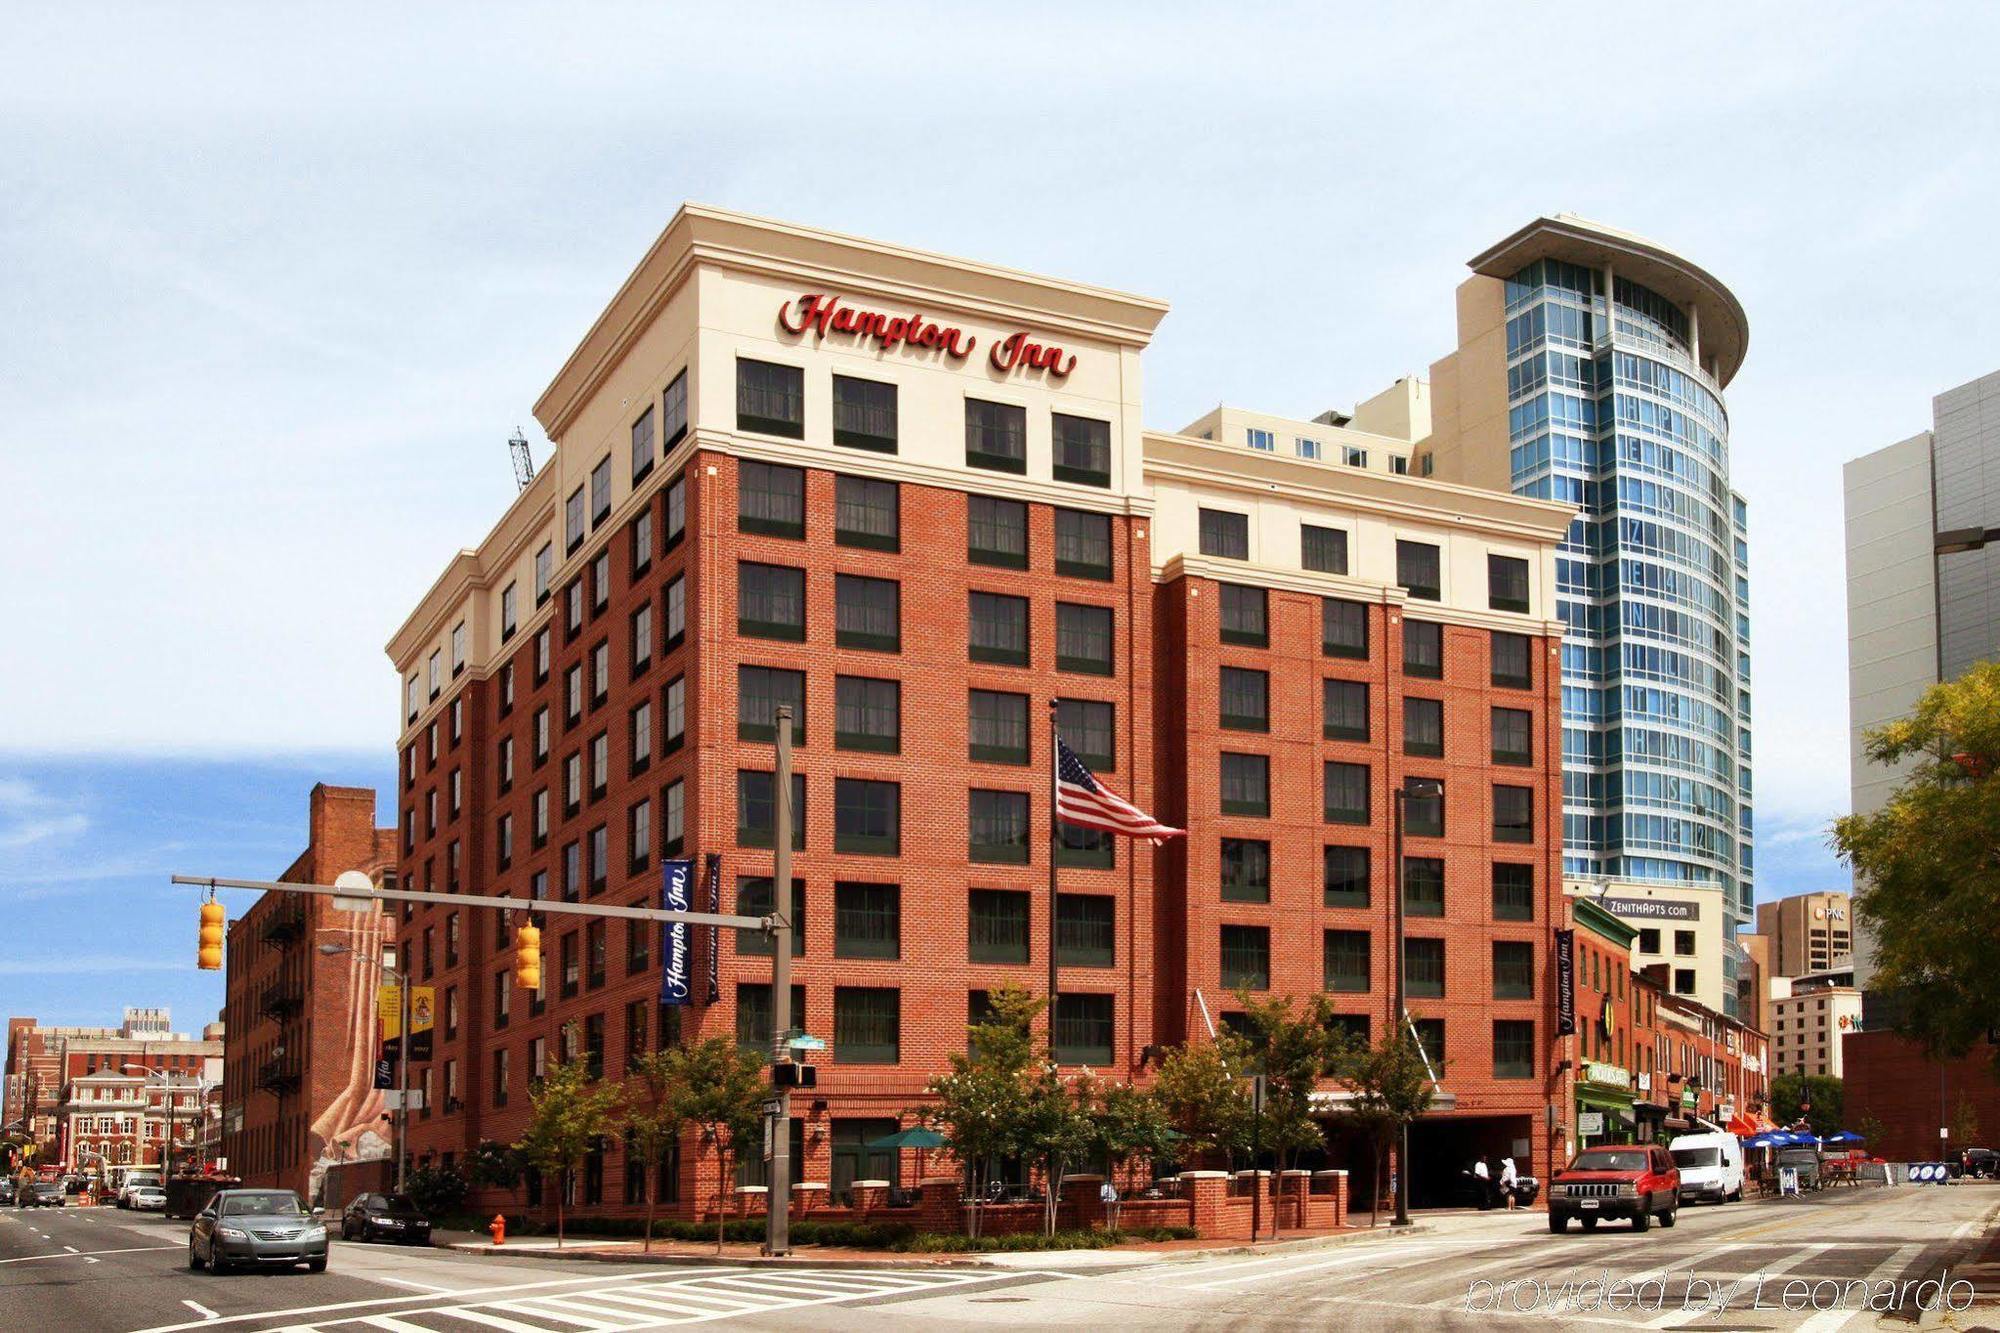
(799, 1259)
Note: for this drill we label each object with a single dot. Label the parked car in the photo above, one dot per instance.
(133, 1181)
(43, 1194)
(1629, 1180)
(1711, 1166)
(258, 1229)
(1806, 1161)
(385, 1217)
(7, 1189)
(147, 1198)
(1982, 1162)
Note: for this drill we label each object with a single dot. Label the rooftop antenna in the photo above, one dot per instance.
(524, 461)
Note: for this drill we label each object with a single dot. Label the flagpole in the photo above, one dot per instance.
(1055, 783)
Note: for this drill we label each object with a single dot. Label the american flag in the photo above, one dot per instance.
(1082, 799)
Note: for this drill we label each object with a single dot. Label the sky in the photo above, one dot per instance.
(277, 285)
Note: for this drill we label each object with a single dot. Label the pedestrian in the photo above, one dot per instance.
(1482, 1178)
(1107, 1194)
(1510, 1181)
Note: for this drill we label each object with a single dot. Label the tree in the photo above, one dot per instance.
(495, 1165)
(1391, 1086)
(437, 1190)
(1132, 1124)
(980, 1104)
(1059, 1128)
(1871, 1130)
(1928, 864)
(719, 1088)
(1204, 1090)
(571, 1115)
(653, 1121)
(1818, 1099)
(1293, 1051)
(1964, 1125)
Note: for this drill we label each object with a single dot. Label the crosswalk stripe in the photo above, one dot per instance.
(730, 1300)
(395, 1325)
(486, 1316)
(543, 1307)
(651, 1304)
(1825, 1321)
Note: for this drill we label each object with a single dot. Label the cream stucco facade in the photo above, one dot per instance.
(1680, 931)
(1808, 1024)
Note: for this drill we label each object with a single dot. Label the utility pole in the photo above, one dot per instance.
(778, 1190)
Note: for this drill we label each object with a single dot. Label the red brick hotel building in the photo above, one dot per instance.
(911, 496)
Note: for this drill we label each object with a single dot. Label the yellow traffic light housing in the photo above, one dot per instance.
(528, 958)
(209, 954)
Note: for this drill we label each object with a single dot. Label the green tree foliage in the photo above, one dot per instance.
(653, 1121)
(1965, 1126)
(1203, 1088)
(497, 1166)
(1059, 1129)
(571, 1114)
(718, 1088)
(1928, 864)
(1133, 1125)
(437, 1189)
(1818, 1099)
(1391, 1086)
(980, 1104)
(1293, 1046)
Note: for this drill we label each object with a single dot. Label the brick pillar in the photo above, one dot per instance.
(1080, 1198)
(1205, 1190)
(752, 1200)
(1294, 1189)
(808, 1196)
(939, 1206)
(1334, 1183)
(870, 1196)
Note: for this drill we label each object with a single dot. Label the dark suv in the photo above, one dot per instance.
(1627, 1180)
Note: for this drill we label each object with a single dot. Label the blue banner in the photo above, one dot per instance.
(675, 897)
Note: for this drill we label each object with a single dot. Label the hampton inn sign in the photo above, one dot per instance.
(825, 314)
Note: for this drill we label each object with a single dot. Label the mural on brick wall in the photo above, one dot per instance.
(352, 1128)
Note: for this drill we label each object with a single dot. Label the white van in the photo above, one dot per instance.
(1711, 1166)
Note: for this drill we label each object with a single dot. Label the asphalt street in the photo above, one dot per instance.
(86, 1270)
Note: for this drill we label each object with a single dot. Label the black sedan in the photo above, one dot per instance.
(385, 1217)
(42, 1194)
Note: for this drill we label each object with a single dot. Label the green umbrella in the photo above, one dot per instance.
(916, 1136)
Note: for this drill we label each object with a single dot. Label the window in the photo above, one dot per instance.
(642, 638)
(505, 766)
(770, 399)
(996, 436)
(864, 414)
(998, 826)
(867, 714)
(673, 829)
(1423, 726)
(1246, 784)
(539, 807)
(1246, 871)
(1345, 960)
(1261, 440)
(1245, 700)
(1323, 549)
(1684, 948)
(770, 499)
(639, 836)
(997, 729)
(867, 613)
(600, 673)
(1513, 730)
(510, 612)
(760, 692)
(996, 929)
(573, 694)
(1684, 982)
(674, 705)
(867, 817)
(600, 491)
(1346, 792)
(1343, 628)
(542, 655)
(676, 510)
(600, 764)
(1649, 942)
(867, 921)
(574, 527)
(1513, 970)
(1243, 618)
(867, 513)
(503, 842)
(1225, 534)
(867, 1025)
(1346, 708)
(639, 944)
(1246, 957)
(1506, 583)
(1423, 968)
(572, 610)
(1513, 1048)
(753, 1014)
(571, 972)
(1423, 816)
(1347, 874)
(998, 629)
(755, 815)
(753, 898)
(437, 673)
(770, 602)
(1417, 570)
(1514, 892)
(594, 954)
(1083, 1029)
(600, 858)
(996, 532)
(637, 1016)
(1086, 935)
(1082, 450)
(1089, 728)
(1423, 648)
(1083, 639)
(545, 568)
(1513, 814)
(674, 411)
(1083, 544)
(1353, 457)
(1423, 886)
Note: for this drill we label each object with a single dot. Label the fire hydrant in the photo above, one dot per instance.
(498, 1228)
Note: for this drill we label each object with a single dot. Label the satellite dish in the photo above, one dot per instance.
(353, 879)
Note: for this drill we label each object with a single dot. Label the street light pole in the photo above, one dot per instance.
(1402, 1215)
(778, 1186)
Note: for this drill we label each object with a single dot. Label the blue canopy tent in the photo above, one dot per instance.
(1842, 1138)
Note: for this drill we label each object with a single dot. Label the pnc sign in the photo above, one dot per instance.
(822, 315)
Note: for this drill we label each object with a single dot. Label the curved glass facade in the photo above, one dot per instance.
(1609, 411)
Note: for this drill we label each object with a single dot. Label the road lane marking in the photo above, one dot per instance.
(420, 1286)
(72, 1249)
(403, 1300)
(36, 1258)
(199, 1309)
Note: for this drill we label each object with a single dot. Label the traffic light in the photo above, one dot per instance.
(209, 955)
(528, 958)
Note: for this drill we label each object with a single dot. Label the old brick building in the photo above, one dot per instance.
(300, 1009)
(911, 496)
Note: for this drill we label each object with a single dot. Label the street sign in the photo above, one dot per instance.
(1590, 1122)
(771, 1106)
(1257, 1092)
(805, 1041)
(354, 879)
